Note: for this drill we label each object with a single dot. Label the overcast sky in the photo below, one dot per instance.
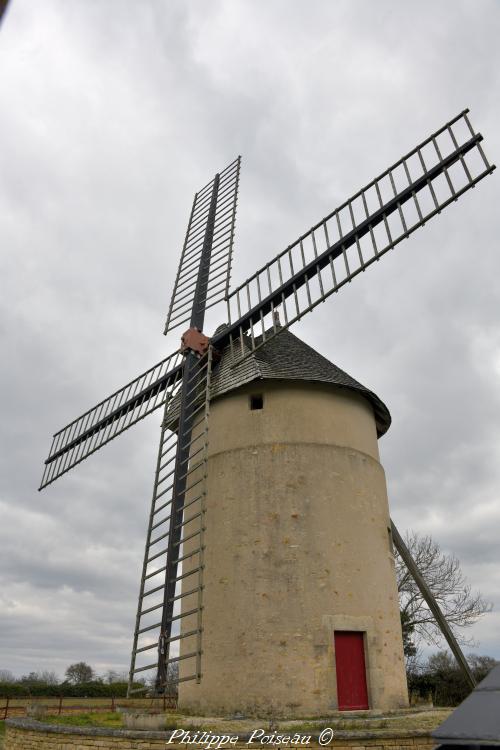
(112, 114)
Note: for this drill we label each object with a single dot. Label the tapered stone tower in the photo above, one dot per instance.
(300, 606)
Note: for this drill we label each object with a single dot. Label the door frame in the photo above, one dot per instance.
(365, 667)
(363, 625)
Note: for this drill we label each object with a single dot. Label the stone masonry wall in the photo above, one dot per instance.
(296, 548)
(25, 734)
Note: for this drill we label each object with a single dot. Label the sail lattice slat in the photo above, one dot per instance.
(172, 574)
(343, 244)
(223, 219)
(109, 418)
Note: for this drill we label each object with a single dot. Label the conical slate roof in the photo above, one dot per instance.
(286, 357)
(477, 719)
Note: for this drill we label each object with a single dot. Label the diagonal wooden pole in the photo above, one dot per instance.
(432, 604)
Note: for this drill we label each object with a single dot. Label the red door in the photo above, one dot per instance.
(351, 673)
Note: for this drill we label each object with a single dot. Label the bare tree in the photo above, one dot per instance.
(6, 676)
(461, 606)
(112, 675)
(441, 679)
(50, 678)
(481, 665)
(79, 673)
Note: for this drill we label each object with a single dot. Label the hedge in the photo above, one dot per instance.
(93, 689)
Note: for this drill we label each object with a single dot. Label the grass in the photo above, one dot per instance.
(109, 720)
(426, 720)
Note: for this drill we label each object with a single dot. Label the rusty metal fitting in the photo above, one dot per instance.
(195, 341)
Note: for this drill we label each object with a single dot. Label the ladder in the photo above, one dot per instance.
(167, 643)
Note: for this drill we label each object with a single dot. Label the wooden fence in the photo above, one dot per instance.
(10, 707)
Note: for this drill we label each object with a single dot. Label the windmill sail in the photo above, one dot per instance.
(109, 418)
(342, 245)
(214, 207)
(387, 210)
(181, 491)
(202, 281)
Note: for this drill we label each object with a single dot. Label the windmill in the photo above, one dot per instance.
(169, 625)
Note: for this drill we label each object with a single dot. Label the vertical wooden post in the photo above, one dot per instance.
(60, 705)
(113, 704)
(164, 702)
(6, 708)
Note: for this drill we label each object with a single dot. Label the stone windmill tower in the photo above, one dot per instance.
(300, 602)
(268, 573)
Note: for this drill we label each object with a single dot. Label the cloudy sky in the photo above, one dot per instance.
(112, 114)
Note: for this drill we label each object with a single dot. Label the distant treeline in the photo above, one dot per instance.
(441, 681)
(94, 689)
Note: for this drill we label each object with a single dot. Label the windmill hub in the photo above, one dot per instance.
(195, 341)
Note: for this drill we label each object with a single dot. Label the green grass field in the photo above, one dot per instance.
(109, 720)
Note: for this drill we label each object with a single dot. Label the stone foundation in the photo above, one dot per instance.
(27, 734)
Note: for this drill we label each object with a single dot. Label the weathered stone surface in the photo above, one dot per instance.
(36, 711)
(297, 546)
(145, 721)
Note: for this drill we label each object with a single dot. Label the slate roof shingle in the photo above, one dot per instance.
(286, 357)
